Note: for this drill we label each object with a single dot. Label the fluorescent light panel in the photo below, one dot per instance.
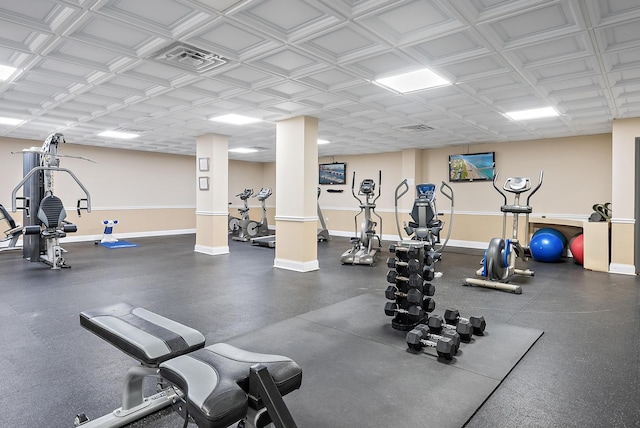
(235, 119)
(6, 71)
(320, 142)
(413, 81)
(243, 150)
(118, 134)
(536, 113)
(10, 121)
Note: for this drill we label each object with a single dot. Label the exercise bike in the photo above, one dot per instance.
(426, 226)
(235, 224)
(259, 232)
(363, 250)
(499, 262)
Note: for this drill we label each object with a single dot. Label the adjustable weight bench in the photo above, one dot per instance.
(215, 386)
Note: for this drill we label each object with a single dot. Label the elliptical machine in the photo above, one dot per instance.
(426, 226)
(499, 262)
(363, 250)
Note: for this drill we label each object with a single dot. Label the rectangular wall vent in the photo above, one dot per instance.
(189, 57)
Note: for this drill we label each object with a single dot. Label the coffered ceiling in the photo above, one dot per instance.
(162, 68)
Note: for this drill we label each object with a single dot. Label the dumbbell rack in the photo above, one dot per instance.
(411, 291)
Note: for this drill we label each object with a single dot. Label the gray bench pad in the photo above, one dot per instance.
(216, 381)
(142, 334)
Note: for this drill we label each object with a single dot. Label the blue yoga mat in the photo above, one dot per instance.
(119, 244)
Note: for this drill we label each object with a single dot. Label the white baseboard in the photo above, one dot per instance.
(296, 265)
(622, 269)
(211, 251)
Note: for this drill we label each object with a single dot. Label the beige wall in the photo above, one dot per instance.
(152, 193)
(148, 193)
(577, 174)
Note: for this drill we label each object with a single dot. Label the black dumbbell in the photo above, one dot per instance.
(463, 328)
(452, 316)
(420, 337)
(428, 304)
(451, 334)
(413, 265)
(428, 289)
(415, 312)
(411, 252)
(414, 280)
(413, 296)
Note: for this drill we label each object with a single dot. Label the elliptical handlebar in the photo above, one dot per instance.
(537, 187)
(495, 178)
(353, 187)
(450, 190)
(397, 198)
(379, 186)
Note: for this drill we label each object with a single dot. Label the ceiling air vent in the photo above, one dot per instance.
(189, 57)
(416, 128)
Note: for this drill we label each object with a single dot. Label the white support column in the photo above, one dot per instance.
(212, 201)
(296, 194)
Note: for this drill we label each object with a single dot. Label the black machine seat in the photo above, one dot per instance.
(141, 334)
(51, 212)
(216, 380)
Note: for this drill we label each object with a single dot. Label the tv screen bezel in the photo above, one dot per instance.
(471, 155)
(344, 170)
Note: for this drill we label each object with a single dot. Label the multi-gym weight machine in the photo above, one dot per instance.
(44, 216)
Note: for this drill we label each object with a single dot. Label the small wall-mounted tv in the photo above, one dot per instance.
(333, 173)
(472, 167)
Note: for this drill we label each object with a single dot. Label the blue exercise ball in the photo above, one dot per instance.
(553, 231)
(546, 247)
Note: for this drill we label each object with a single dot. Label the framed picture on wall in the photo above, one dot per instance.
(203, 183)
(472, 167)
(333, 173)
(203, 164)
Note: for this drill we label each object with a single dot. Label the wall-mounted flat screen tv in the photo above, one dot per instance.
(472, 167)
(333, 173)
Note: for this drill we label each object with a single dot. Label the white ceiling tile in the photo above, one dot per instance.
(302, 18)
(619, 36)
(539, 23)
(606, 12)
(343, 44)
(409, 21)
(475, 68)
(448, 48)
(551, 51)
(88, 65)
(231, 40)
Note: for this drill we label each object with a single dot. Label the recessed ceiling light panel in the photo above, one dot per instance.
(6, 72)
(10, 121)
(536, 113)
(118, 134)
(413, 81)
(235, 119)
(243, 150)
